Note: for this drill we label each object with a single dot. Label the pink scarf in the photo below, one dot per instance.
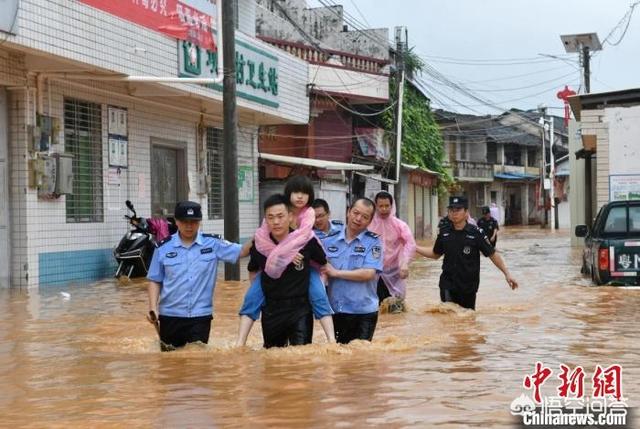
(159, 228)
(280, 255)
(399, 248)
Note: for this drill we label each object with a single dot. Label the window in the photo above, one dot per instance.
(215, 154)
(83, 139)
(494, 197)
(532, 158)
(634, 218)
(617, 220)
(463, 152)
(492, 152)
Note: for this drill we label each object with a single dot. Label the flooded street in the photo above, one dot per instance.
(91, 360)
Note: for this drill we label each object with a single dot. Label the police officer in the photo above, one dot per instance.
(461, 244)
(355, 261)
(324, 225)
(183, 277)
(489, 225)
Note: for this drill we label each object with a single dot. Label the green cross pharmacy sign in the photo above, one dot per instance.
(256, 70)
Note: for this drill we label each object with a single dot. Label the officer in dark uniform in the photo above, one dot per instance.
(461, 244)
(489, 225)
(183, 277)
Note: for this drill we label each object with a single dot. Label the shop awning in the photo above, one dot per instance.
(314, 163)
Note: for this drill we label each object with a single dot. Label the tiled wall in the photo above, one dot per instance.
(46, 237)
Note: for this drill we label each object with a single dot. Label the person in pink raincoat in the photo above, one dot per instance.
(399, 249)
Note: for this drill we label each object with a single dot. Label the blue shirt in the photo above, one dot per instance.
(364, 251)
(188, 274)
(334, 227)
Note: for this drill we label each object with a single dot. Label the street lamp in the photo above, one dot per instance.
(547, 125)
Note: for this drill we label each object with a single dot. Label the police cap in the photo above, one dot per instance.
(486, 210)
(458, 202)
(188, 210)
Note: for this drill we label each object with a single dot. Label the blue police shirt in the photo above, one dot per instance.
(364, 251)
(188, 274)
(334, 226)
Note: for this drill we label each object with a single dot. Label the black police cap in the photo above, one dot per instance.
(186, 210)
(458, 202)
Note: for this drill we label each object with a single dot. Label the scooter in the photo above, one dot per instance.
(135, 250)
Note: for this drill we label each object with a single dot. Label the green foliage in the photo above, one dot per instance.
(422, 142)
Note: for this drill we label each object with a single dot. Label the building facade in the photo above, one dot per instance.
(79, 137)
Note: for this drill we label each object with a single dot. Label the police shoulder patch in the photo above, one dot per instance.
(376, 251)
(371, 234)
(163, 242)
(331, 234)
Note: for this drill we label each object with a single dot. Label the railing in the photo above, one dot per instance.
(473, 170)
(313, 55)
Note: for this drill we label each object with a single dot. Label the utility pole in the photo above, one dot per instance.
(401, 45)
(584, 44)
(230, 133)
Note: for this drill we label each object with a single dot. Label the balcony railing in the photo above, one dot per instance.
(474, 171)
(315, 56)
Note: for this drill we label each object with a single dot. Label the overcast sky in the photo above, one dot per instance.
(474, 44)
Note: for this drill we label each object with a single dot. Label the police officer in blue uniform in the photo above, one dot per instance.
(183, 277)
(355, 262)
(324, 225)
(461, 244)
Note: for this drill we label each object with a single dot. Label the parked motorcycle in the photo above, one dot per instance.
(135, 250)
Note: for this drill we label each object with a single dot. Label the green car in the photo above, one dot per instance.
(612, 247)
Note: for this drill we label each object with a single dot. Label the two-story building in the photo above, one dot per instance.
(343, 146)
(89, 120)
(498, 160)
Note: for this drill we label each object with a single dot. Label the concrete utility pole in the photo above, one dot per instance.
(583, 44)
(230, 134)
(401, 45)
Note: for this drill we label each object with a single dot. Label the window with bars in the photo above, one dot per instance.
(215, 153)
(83, 139)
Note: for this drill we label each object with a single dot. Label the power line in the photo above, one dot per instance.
(627, 16)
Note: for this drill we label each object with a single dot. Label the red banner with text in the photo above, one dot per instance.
(192, 20)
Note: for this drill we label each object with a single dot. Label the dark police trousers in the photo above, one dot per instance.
(349, 327)
(178, 331)
(463, 299)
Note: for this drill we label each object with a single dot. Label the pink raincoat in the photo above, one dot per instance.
(282, 254)
(159, 228)
(399, 248)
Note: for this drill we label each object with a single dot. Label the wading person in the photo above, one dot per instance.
(298, 192)
(183, 277)
(489, 225)
(324, 225)
(399, 249)
(355, 257)
(287, 318)
(461, 244)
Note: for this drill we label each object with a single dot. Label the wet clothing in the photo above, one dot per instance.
(382, 290)
(349, 327)
(254, 298)
(178, 331)
(188, 274)
(399, 248)
(465, 300)
(187, 277)
(489, 226)
(334, 226)
(355, 303)
(286, 315)
(364, 251)
(461, 265)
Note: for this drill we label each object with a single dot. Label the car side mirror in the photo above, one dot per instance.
(582, 230)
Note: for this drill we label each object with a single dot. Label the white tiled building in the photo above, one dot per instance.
(61, 68)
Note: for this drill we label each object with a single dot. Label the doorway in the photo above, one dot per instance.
(168, 176)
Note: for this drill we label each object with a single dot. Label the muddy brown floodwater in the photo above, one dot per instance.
(91, 360)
